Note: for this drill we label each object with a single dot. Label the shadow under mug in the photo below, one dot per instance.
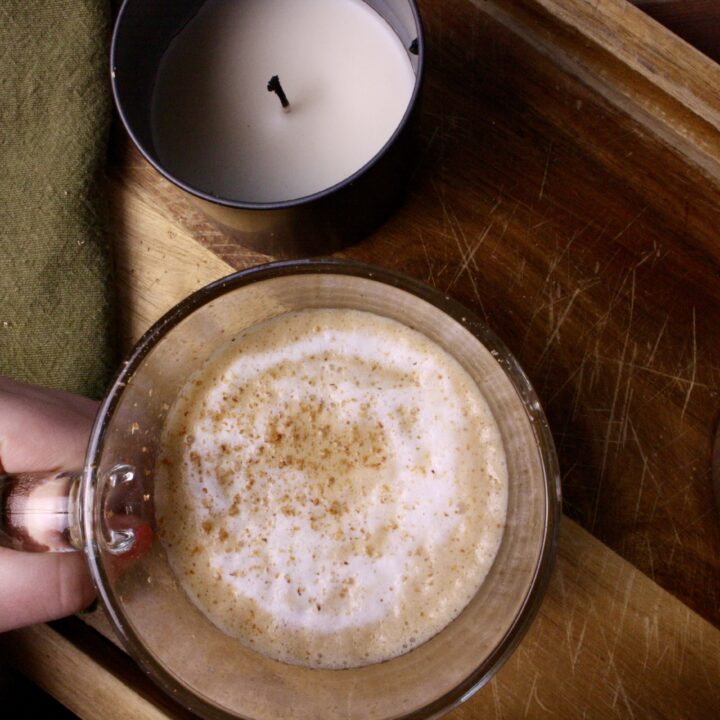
(106, 510)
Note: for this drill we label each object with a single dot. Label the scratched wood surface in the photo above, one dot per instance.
(588, 238)
(567, 190)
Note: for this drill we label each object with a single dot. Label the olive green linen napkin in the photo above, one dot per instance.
(55, 284)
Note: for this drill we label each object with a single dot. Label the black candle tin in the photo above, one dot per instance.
(315, 224)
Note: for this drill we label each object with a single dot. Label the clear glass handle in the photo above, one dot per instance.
(39, 512)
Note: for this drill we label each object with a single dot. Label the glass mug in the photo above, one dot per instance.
(106, 510)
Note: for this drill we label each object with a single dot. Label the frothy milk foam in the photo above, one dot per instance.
(332, 489)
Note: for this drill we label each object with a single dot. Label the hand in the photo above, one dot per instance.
(42, 429)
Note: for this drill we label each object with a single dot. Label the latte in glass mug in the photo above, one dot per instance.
(332, 488)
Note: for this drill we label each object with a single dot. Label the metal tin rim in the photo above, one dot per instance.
(282, 204)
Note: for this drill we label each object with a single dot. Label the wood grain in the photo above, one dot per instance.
(85, 674)
(696, 21)
(567, 191)
(18, 691)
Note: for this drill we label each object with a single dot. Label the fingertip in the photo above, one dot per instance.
(41, 587)
(75, 589)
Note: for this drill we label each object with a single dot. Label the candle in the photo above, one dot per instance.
(340, 83)
(288, 122)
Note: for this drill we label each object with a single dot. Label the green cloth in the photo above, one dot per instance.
(55, 263)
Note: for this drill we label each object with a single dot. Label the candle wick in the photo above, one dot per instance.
(275, 86)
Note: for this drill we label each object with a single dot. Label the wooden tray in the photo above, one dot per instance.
(568, 190)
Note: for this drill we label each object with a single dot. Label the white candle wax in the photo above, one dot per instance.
(216, 127)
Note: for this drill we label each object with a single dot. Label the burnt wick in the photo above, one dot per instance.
(275, 86)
